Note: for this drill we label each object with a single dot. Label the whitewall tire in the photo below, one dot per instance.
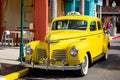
(84, 67)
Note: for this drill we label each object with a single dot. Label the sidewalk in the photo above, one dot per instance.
(115, 37)
(9, 55)
(10, 69)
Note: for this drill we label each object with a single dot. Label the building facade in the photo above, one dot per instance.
(108, 12)
(34, 10)
(39, 12)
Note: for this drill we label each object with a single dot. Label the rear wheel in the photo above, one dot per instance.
(84, 67)
(105, 57)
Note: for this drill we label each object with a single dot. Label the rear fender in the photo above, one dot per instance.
(106, 44)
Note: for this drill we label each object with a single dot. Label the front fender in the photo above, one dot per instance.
(34, 45)
(83, 48)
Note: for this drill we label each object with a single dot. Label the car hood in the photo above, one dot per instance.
(64, 34)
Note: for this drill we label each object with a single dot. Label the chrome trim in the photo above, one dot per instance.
(59, 54)
(41, 53)
(46, 67)
(48, 57)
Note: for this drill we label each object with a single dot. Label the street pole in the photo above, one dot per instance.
(114, 19)
(95, 14)
(100, 12)
(21, 30)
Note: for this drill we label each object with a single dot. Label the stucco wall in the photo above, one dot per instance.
(11, 15)
(60, 9)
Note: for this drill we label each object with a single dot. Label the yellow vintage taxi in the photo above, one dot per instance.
(73, 42)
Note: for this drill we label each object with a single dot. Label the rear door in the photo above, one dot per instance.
(100, 36)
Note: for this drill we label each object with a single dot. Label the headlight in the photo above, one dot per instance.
(74, 51)
(28, 50)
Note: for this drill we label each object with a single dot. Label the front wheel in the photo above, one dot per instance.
(84, 67)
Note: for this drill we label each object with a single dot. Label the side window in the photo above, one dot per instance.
(54, 26)
(59, 26)
(93, 26)
(99, 25)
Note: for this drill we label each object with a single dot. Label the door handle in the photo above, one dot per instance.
(83, 39)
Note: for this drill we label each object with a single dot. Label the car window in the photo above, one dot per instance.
(99, 25)
(93, 26)
(70, 24)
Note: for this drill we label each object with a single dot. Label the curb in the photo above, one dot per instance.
(116, 37)
(15, 75)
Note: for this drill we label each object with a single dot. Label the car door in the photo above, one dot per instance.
(93, 39)
(100, 36)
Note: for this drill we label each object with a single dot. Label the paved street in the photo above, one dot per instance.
(102, 70)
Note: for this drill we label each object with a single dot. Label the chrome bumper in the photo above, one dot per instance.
(48, 67)
(52, 67)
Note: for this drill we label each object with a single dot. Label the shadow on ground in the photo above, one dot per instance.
(115, 47)
(113, 62)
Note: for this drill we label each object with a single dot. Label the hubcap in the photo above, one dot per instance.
(85, 65)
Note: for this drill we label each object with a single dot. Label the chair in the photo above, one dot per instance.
(6, 38)
(31, 36)
(28, 36)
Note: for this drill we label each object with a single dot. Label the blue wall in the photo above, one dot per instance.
(73, 5)
(89, 7)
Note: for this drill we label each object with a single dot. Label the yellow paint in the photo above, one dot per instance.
(94, 42)
(16, 75)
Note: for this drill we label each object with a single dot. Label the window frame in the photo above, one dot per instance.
(99, 26)
(93, 27)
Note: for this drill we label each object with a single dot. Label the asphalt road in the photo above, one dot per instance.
(102, 70)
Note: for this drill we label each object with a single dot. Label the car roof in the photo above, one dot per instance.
(76, 17)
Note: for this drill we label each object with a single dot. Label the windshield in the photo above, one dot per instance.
(70, 24)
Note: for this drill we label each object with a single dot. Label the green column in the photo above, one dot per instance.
(21, 29)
